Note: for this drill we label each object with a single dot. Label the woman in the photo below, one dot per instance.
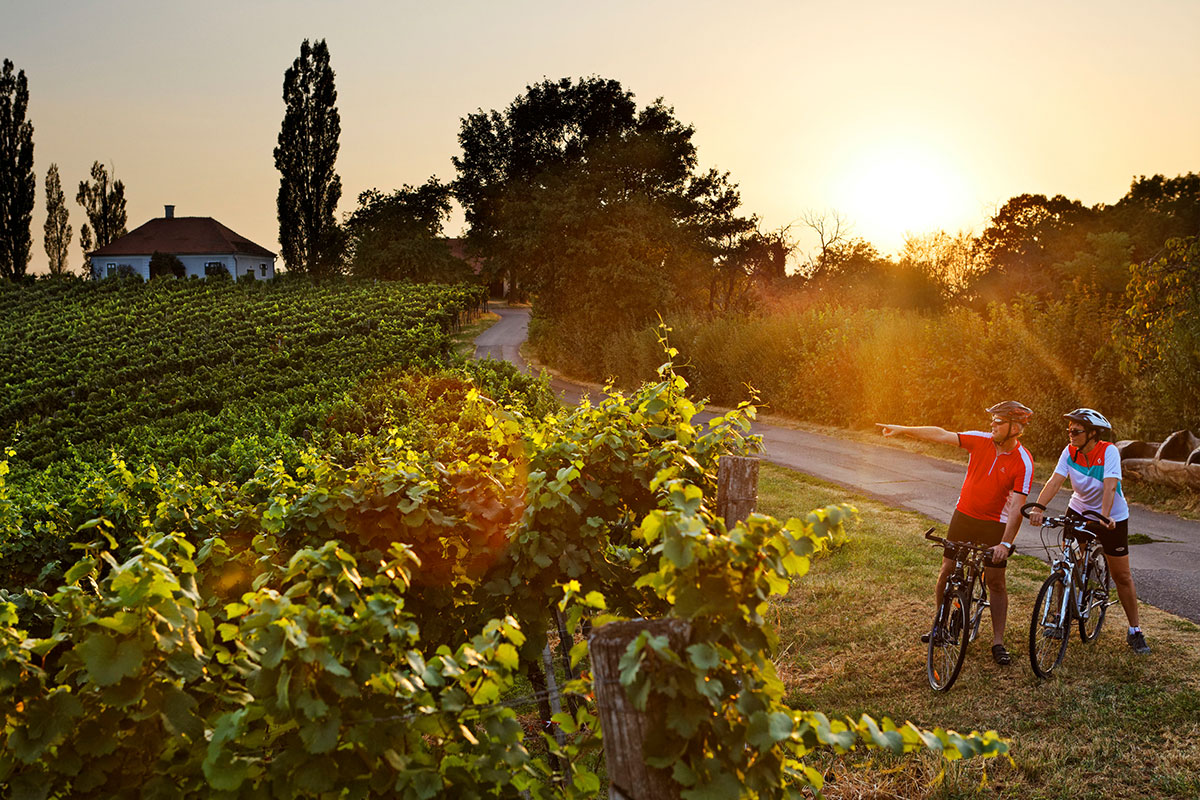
(1094, 467)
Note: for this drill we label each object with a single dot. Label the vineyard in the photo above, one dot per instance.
(367, 612)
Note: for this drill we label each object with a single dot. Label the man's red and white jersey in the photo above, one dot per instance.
(992, 476)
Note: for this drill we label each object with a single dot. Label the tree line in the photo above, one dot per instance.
(599, 210)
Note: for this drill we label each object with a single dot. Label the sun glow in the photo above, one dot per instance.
(888, 190)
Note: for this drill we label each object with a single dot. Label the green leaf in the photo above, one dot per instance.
(108, 660)
(81, 568)
(704, 656)
(321, 736)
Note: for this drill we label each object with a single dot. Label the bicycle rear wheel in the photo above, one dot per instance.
(1049, 626)
(1094, 603)
(947, 641)
(979, 601)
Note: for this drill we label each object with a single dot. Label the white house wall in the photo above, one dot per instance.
(194, 266)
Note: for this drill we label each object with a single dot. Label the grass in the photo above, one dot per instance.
(464, 340)
(1108, 724)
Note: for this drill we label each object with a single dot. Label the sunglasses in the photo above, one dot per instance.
(1074, 431)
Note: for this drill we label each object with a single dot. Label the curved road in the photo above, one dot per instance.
(1167, 571)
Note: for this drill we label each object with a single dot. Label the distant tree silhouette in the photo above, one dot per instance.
(57, 229)
(166, 264)
(399, 236)
(17, 182)
(309, 189)
(103, 200)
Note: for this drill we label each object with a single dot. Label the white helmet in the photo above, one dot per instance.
(1090, 418)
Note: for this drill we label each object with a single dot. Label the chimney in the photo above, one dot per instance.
(170, 212)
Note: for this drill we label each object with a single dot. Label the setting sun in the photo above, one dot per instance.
(898, 188)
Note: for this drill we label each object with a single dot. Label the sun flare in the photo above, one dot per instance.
(898, 188)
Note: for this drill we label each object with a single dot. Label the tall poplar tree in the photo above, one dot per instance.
(103, 200)
(57, 228)
(309, 189)
(17, 182)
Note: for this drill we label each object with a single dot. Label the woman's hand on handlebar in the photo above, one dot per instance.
(1034, 512)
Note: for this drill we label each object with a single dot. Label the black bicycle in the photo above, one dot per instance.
(1078, 590)
(956, 621)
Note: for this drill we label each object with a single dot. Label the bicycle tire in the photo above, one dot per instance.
(1094, 604)
(1048, 633)
(947, 641)
(979, 601)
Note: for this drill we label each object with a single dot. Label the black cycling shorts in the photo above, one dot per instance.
(964, 528)
(1114, 542)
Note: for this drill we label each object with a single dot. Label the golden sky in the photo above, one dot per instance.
(897, 116)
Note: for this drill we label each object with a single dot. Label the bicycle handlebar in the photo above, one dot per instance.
(1065, 521)
(969, 546)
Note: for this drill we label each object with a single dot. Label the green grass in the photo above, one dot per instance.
(1108, 724)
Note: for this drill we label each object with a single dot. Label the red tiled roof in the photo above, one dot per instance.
(458, 249)
(182, 236)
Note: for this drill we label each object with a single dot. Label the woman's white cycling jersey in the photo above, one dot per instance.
(1087, 472)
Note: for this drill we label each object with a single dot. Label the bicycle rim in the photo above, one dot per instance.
(1095, 599)
(1049, 627)
(979, 602)
(947, 642)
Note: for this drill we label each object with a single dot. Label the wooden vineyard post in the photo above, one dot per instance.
(624, 727)
(737, 488)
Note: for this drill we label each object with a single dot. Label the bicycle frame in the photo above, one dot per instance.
(1053, 616)
(959, 613)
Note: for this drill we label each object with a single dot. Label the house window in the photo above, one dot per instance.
(211, 265)
(111, 269)
(263, 267)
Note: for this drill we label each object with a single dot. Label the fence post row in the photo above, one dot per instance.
(625, 727)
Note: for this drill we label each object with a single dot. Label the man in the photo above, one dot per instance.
(1094, 467)
(999, 473)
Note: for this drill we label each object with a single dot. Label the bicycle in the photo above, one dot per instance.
(1077, 590)
(961, 610)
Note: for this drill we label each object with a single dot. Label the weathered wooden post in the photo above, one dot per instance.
(624, 727)
(737, 488)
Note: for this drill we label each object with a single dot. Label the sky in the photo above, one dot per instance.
(898, 117)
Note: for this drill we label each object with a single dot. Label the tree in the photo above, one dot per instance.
(57, 228)
(166, 264)
(583, 160)
(17, 182)
(309, 189)
(103, 200)
(1161, 336)
(398, 236)
(1026, 237)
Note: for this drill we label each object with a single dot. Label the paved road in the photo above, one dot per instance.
(1167, 571)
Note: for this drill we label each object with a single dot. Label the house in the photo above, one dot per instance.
(201, 243)
(499, 285)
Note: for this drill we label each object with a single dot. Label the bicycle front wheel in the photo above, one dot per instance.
(1049, 626)
(1094, 603)
(979, 601)
(947, 641)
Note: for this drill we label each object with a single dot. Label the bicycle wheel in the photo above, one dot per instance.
(1094, 603)
(1049, 626)
(979, 601)
(947, 641)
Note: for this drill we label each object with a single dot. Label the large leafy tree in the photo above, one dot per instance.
(309, 188)
(103, 200)
(594, 205)
(57, 228)
(398, 236)
(17, 182)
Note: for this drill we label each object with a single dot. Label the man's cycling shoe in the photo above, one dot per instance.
(1137, 642)
(1000, 655)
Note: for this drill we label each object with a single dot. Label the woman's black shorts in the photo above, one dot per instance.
(1114, 542)
(964, 528)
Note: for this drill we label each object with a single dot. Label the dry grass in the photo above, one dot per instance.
(1108, 724)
